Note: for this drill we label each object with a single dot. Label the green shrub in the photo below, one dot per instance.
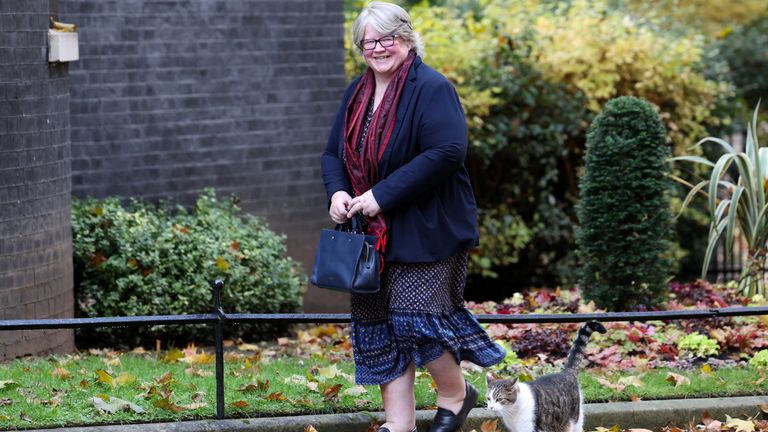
(746, 50)
(624, 215)
(145, 259)
(698, 345)
(760, 360)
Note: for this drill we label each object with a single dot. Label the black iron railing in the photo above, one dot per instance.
(219, 319)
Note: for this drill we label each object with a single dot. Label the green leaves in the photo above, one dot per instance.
(145, 259)
(624, 216)
(736, 200)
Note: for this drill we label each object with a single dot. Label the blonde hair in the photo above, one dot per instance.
(386, 19)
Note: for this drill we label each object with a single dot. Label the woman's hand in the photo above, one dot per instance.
(365, 204)
(340, 203)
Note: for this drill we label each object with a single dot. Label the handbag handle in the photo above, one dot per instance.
(353, 225)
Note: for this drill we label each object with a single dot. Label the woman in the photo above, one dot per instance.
(395, 156)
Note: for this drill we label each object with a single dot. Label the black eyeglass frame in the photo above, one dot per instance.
(379, 41)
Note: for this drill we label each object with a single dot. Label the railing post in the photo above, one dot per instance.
(217, 285)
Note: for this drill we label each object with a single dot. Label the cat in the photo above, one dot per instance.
(551, 403)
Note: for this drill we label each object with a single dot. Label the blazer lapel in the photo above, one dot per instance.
(405, 101)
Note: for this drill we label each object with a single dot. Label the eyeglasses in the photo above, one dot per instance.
(370, 44)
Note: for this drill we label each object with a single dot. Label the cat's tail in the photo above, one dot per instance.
(576, 354)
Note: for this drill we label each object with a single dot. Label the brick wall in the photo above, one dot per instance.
(173, 96)
(35, 188)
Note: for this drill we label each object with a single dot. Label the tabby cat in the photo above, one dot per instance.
(552, 403)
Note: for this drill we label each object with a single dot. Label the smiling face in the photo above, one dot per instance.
(384, 60)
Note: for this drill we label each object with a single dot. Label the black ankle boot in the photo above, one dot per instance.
(383, 429)
(447, 421)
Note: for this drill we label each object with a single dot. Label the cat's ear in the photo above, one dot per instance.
(513, 382)
(490, 377)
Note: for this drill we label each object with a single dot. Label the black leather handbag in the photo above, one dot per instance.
(347, 260)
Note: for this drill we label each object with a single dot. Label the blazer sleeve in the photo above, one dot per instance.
(443, 145)
(334, 172)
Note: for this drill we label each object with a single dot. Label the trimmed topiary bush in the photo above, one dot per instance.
(624, 215)
(145, 259)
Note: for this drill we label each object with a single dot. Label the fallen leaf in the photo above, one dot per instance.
(355, 391)
(198, 396)
(739, 425)
(276, 396)
(283, 341)
(173, 356)
(194, 406)
(8, 385)
(605, 383)
(631, 380)
(763, 408)
(196, 371)
(249, 388)
(112, 361)
(84, 384)
(60, 373)
(638, 430)
(165, 378)
(706, 369)
(309, 428)
(328, 372)
(634, 398)
(706, 418)
(105, 377)
(5, 401)
(332, 392)
(714, 426)
(112, 405)
(166, 404)
(490, 426)
(125, 378)
(23, 416)
(247, 347)
(678, 379)
(239, 404)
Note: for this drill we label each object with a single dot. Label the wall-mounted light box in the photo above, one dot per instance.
(62, 46)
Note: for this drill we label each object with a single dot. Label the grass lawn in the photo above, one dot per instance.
(59, 391)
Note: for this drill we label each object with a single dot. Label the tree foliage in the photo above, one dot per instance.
(624, 215)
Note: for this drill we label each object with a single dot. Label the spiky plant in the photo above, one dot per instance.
(737, 204)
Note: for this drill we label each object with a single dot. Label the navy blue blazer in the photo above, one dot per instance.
(424, 189)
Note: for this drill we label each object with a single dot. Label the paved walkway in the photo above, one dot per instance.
(643, 414)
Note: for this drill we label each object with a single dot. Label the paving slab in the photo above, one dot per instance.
(641, 414)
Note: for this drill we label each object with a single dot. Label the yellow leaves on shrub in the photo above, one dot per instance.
(712, 17)
(603, 54)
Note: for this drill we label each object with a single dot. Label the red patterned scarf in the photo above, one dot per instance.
(363, 167)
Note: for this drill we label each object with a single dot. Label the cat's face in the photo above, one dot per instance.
(501, 394)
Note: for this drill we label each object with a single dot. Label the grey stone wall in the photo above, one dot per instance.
(35, 188)
(173, 96)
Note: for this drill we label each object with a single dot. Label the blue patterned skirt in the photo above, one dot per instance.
(417, 315)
